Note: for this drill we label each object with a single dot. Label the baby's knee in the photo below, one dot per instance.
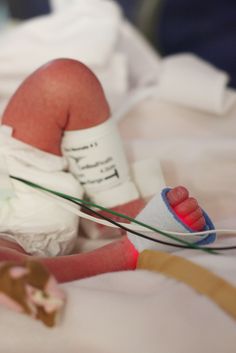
(63, 86)
(77, 91)
(87, 104)
(61, 95)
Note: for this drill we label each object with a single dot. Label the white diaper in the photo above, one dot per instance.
(38, 224)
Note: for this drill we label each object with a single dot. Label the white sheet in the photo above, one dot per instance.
(131, 312)
(187, 80)
(195, 149)
(140, 311)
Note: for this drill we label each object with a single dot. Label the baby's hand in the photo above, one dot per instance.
(186, 208)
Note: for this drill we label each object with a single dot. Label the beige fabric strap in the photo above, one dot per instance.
(204, 281)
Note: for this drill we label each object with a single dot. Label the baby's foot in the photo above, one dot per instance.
(175, 211)
(186, 208)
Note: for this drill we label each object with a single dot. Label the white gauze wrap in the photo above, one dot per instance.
(157, 213)
(37, 223)
(96, 157)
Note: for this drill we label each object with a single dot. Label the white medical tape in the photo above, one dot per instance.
(148, 176)
(118, 195)
(97, 158)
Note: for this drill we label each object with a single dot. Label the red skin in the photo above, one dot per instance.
(65, 95)
(61, 95)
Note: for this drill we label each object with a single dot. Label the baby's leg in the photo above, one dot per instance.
(121, 255)
(117, 256)
(65, 96)
(61, 95)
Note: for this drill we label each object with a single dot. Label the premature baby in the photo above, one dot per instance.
(56, 131)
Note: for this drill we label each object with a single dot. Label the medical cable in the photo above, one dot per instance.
(142, 225)
(123, 225)
(129, 227)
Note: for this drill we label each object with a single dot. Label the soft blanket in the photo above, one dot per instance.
(140, 311)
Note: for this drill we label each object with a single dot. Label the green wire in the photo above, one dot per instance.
(68, 197)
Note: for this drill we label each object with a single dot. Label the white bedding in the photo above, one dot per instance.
(195, 149)
(128, 312)
(139, 311)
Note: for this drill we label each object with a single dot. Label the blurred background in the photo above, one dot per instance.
(206, 28)
(25, 9)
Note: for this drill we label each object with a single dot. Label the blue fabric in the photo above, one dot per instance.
(206, 28)
(25, 9)
(209, 224)
(129, 8)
